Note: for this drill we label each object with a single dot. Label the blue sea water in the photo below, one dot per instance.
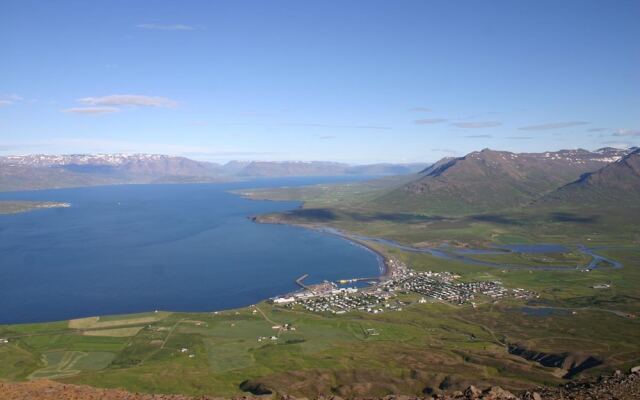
(134, 248)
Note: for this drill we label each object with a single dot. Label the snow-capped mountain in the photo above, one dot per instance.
(48, 160)
(39, 171)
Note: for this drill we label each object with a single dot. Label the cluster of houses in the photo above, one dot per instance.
(344, 301)
(444, 289)
(443, 286)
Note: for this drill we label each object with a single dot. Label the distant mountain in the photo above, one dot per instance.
(53, 171)
(137, 164)
(617, 184)
(490, 180)
(293, 168)
(318, 168)
(387, 169)
(42, 171)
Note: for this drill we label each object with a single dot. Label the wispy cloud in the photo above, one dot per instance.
(597, 130)
(129, 100)
(479, 136)
(519, 137)
(552, 125)
(318, 125)
(231, 153)
(420, 109)
(626, 132)
(167, 27)
(327, 137)
(16, 147)
(91, 110)
(617, 144)
(9, 99)
(477, 125)
(447, 151)
(429, 121)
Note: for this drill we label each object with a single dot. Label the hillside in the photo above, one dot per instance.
(613, 185)
(490, 180)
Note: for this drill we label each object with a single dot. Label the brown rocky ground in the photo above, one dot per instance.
(618, 386)
(50, 390)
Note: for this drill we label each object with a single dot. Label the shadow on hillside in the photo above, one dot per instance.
(327, 215)
(571, 217)
(496, 219)
(395, 217)
(314, 214)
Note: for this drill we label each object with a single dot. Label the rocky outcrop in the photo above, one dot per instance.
(256, 388)
(571, 364)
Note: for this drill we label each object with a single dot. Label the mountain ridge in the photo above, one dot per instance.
(618, 181)
(43, 171)
(489, 180)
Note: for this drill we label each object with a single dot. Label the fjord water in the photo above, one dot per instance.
(134, 248)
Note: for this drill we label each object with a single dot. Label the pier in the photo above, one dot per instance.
(299, 282)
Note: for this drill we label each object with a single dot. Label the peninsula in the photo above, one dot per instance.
(14, 207)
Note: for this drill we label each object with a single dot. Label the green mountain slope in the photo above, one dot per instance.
(491, 180)
(615, 185)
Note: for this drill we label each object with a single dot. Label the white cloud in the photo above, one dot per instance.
(552, 125)
(429, 121)
(319, 125)
(626, 132)
(68, 145)
(447, 151)
(91, 110)
(9, 99)
(618, 145)
(477, 125)
(129, 100)
(169, 27)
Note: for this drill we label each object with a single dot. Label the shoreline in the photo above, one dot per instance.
(385, 267)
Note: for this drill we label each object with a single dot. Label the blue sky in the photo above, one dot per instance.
(352, 81)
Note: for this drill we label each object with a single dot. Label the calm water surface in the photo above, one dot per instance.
(133, 248)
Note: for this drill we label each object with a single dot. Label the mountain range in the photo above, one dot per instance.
(491, 180)
(42, 171)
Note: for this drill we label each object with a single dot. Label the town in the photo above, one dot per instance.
(381, 294)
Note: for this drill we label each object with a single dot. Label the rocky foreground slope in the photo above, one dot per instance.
(618, 386)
